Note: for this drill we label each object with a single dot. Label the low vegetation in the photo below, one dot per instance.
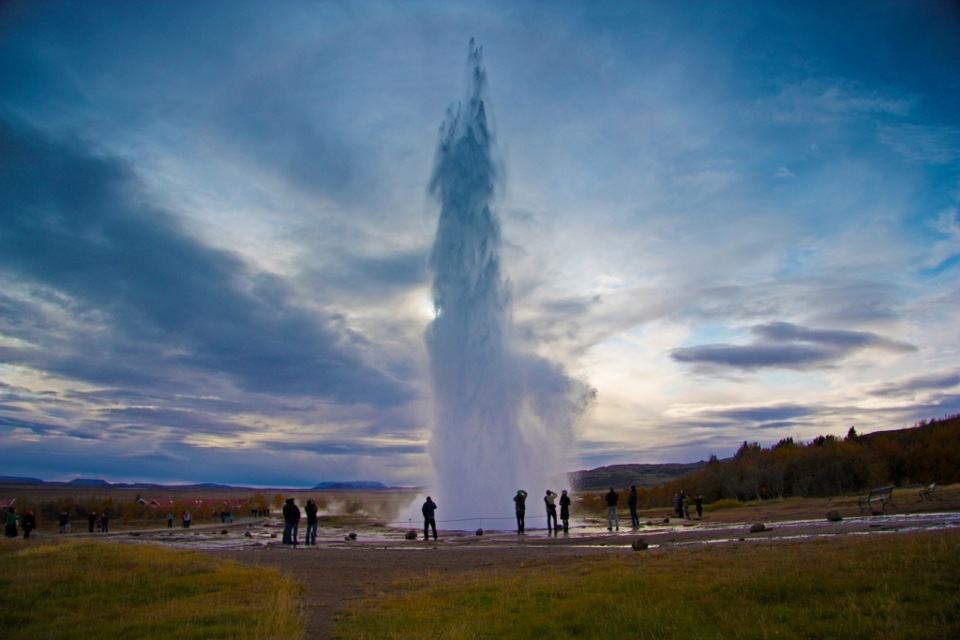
(102, 590)
(879, 586)
(826, 466)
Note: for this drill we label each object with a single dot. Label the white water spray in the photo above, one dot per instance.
(503, 420)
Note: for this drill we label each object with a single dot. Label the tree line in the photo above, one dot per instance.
(826, 466)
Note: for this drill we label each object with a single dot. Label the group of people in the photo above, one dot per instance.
(681, 505)
(291, 522)
(100, 523)
(11, 519)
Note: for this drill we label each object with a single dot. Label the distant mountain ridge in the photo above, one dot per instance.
(359, 484)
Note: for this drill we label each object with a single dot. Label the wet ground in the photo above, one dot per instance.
(267, 533)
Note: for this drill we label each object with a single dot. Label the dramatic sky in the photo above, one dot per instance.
(735, 220)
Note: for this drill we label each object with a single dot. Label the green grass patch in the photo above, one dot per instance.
(113, 590)
(900, 586)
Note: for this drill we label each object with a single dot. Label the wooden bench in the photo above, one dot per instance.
(929, 493)
(883, 495)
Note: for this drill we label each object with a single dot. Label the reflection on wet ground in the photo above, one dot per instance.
(258, 533)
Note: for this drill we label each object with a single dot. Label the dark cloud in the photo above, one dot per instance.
(76, 224)
(765, 414)
(931, 382)
(788, 346)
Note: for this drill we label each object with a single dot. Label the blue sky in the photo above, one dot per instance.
(735, 220)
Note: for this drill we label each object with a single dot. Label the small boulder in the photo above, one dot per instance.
(247, 534)
(639, 544)
(834, 516)
(411, 535)
(757, 527)
(351, 536)
(479, 532)
(223, 532)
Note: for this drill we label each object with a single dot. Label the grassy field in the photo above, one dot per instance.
(876, 587)
(110, 590)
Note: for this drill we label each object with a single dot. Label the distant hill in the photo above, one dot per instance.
(89, 482)
(19, 480)
(360, 484)
(624, 475)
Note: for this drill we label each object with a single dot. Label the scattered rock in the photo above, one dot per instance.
(649, 523)
(479, 532)
(350, 536)
(757, 527)
(247, 534)
(639, 544)
(223, 532)
(135, 533)
(666, 521)
(273, 535)
(411, 535)
(834, 516)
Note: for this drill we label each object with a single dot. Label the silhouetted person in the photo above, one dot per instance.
(28, 523)
(429, 521)
(291, 522)
(521, 502)
(311, 511)
(91, 522)
(632, 501)
(104, 523)
(698, 502)
(549, 501)
(64, 521)
(612, 516)
(10, 523)
(170, 520)
(565, 510)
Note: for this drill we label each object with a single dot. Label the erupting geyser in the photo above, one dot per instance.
(503, 419)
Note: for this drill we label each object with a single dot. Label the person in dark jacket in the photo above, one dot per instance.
(429, 521)
(91, 522)
(311, 510)
(565, 510)
(291, 522)
(28, 523)
(521, 503)
(64, 521)
(632, 500)
(612, 516)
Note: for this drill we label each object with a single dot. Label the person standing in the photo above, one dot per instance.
(698, 502)
(186, 517)
(612, 516)
(105, 522)
(28, 523)
(311, 510)
(10, 523)
(521, 504)
(91, 521)
(550, 500)
(64, 521)
(291, 522)
(429, 520)
(632, 501)
(565, 510)
(170, 520)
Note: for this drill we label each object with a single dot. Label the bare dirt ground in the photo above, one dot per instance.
(338, 572)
